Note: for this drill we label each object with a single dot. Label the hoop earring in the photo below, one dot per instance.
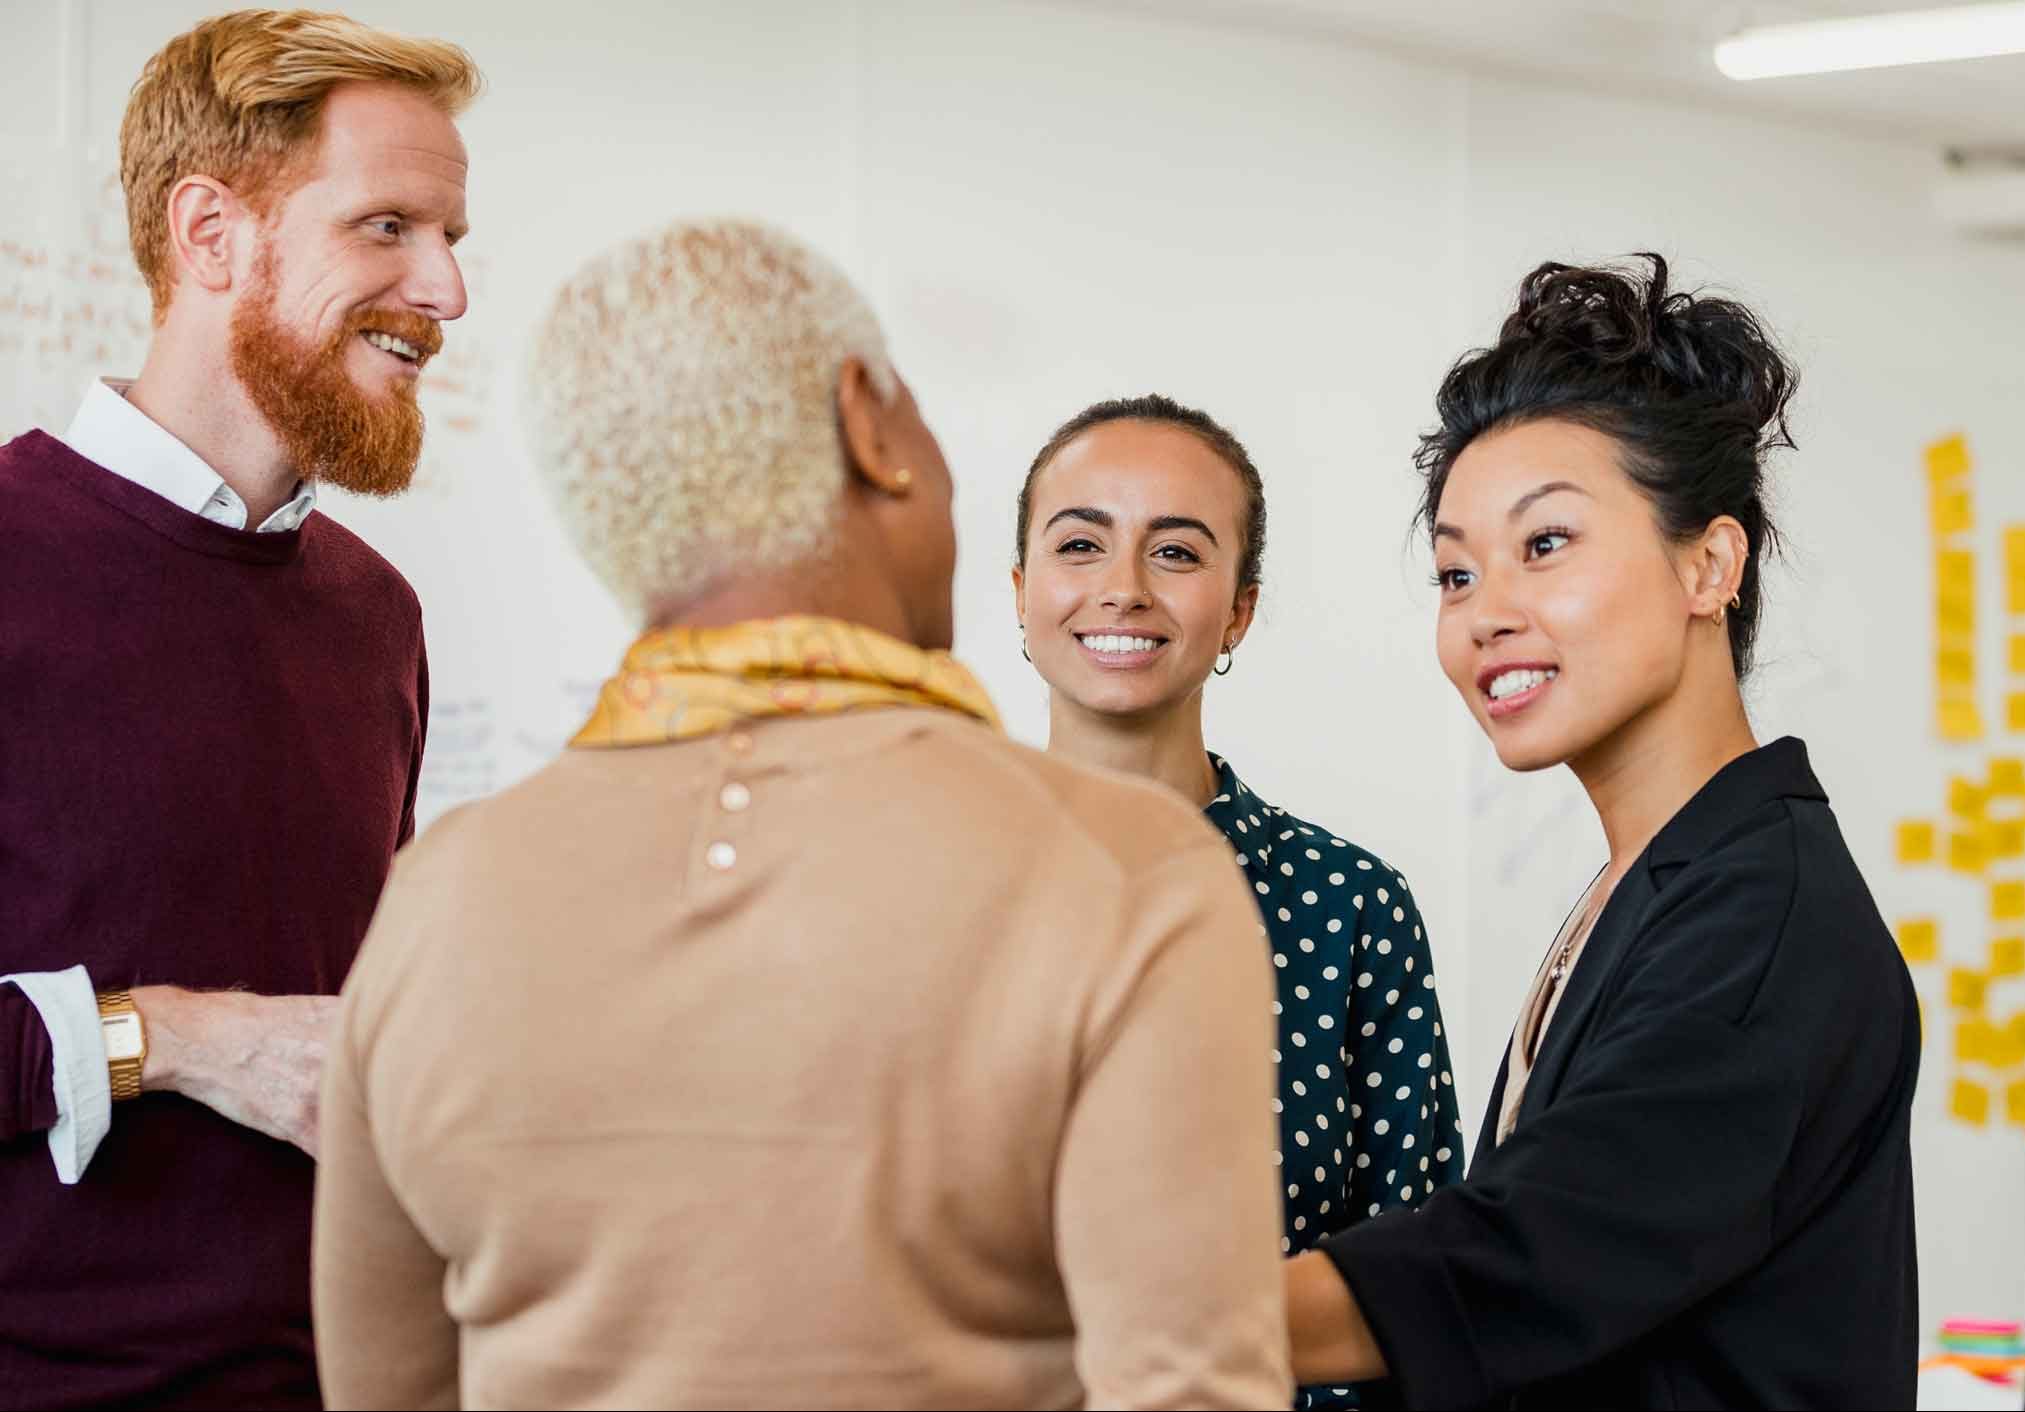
(1023, 643)
(1736, 601)
(1226, 659)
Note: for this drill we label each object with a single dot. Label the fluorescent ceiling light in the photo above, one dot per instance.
(1874, 41)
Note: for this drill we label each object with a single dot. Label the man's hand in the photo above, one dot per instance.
(256, 1059)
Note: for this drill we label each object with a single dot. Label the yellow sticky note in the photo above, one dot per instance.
(1947, 458)
(1955, 616)
(1973, 1041)
(2007, 901)
(1955, 666)
(2001, 1050)
(2014, 1102)
(1970, 1102)
(1955, 573)
(2017, 650)
(1919, 938)
(1967, 852)
(1915, 841)
(2004, 838)
(2007, 777)
(1965, 988)
(1960, 719)
(1966, 798)
(2007, 958)
(2014, 711)
(1954, 512)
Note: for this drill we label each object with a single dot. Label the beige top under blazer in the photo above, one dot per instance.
(867, 1059)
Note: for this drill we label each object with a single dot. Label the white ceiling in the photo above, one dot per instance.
(1659, 47)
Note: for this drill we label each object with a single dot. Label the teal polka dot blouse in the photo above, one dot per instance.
(1367, 1106)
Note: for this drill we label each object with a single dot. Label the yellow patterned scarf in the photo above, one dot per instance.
(677, 683)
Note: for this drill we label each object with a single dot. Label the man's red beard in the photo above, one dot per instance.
(331, 431)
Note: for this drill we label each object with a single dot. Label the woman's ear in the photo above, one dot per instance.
(864, 419)
(1715, 566)
(1019, 582)
(1242, 611)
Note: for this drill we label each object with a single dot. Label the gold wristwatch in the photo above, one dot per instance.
(126, 1042)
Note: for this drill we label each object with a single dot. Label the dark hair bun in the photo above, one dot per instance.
(1690, 385)
(1662, 342)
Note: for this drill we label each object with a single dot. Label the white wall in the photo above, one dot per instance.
(1051, 204)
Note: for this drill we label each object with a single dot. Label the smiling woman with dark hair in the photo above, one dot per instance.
(1142, 530)
(1694, 1184)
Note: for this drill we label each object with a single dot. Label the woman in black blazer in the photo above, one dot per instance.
(1694, 1184)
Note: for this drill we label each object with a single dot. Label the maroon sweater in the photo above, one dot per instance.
(210, 748)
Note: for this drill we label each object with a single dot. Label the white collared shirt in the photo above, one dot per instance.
(119, 436)
(111, 432)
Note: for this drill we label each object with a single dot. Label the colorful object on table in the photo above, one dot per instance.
(1990, 1348)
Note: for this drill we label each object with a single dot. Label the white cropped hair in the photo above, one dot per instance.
(680, 400)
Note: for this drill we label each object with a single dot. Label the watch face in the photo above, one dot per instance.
(122, 1036)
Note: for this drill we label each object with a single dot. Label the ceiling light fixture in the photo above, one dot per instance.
(1874, 41)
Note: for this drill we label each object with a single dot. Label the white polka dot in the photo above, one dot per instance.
(1322, 1175)
(1371, 1080)
(1307, 945)
(1426, 1061)
(1363, 864)
(1325, 1208)
(1276, 1159)
(1313, 855)
(1329, 1022)
(1301, 1138)
(1285, 1245)
(1370, 1028)
(1335, 879)
(1395, 1046)
(1415, 1013)
(1241, 826)
(1364, 980)
(1276, 1056)
(1407, 1141)
(1322, 1121)
(1427, 981)
(1279, 1107)
(1442, 1154)
(1329, 973)
(1309, 897)
(1300, 1040)
(1399, 914)
(1384, 946)
(1406, 1193)
(1279, 1009)
(1293, 1189)
(1321, 1071)
(1381, 1127)
(1285, 915)
(1374, 1209)
(1423, 1164)
(1300, 1089)
(1300, 1224)
(1404, 1093)
(1391, 997)
(1262, 888)
(1384, 896)
(1363, 1160)
(1335, 925)
(1286, 870)
(1280, 959)
(1300, 992)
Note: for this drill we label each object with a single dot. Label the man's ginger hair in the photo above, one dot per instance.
(240, 98)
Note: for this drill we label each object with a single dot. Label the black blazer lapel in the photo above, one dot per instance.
(1598, 962)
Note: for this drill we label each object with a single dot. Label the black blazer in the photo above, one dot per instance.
(1707, 1200)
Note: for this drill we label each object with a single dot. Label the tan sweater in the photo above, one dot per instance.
(857, 1060)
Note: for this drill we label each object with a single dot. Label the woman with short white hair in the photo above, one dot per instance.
(795, 1038)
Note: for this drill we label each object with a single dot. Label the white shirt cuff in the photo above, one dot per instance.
(69, 1010)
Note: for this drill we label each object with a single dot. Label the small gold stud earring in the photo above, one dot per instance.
(903, 480)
